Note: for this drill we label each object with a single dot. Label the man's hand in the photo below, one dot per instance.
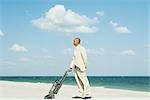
(69, 70)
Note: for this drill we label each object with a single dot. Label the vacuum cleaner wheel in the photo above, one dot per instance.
(49, 97)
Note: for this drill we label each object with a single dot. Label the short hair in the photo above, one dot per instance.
(78, 39)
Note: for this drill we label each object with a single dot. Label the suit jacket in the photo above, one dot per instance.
(79, 58)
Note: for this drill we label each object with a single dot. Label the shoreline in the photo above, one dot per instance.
(9, 89)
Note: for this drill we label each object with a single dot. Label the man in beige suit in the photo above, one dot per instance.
(78, 64)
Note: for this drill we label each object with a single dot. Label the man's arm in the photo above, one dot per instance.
(84, 55)
(72, 63)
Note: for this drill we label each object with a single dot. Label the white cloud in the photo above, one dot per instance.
(129, 52)
(44, 50)
(67, 51)
(114, 24)
(96, 52)
(60, 19)
(6, 62)
(147, 45)
(47, 57)
(147, 60)
(100, 13)
(122, 29)
(118, 28)
(1, 33)
(18, 48)
(24, 59)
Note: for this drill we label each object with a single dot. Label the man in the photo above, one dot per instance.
(78, 64)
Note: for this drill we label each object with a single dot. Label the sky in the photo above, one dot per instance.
(36, 36)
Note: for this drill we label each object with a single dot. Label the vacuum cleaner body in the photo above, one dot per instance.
(56, 87)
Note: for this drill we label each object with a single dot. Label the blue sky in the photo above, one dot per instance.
(36, 36)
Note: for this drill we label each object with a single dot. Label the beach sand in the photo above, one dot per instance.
(36, 91)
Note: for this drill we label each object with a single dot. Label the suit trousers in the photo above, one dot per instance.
(82, 82)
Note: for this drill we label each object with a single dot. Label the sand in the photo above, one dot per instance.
(36, 91)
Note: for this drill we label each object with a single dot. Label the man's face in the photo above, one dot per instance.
(75, 42)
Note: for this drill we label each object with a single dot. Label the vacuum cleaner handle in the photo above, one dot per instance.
(64, 76)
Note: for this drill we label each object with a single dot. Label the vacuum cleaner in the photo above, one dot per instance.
(56, 86)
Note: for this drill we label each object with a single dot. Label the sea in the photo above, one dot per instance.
(134, 83)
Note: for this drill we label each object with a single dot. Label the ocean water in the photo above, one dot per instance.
(127, 82)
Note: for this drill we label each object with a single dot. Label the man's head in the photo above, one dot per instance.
(76, 41)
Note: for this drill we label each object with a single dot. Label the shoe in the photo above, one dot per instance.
(87, 97)
(76, 97)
